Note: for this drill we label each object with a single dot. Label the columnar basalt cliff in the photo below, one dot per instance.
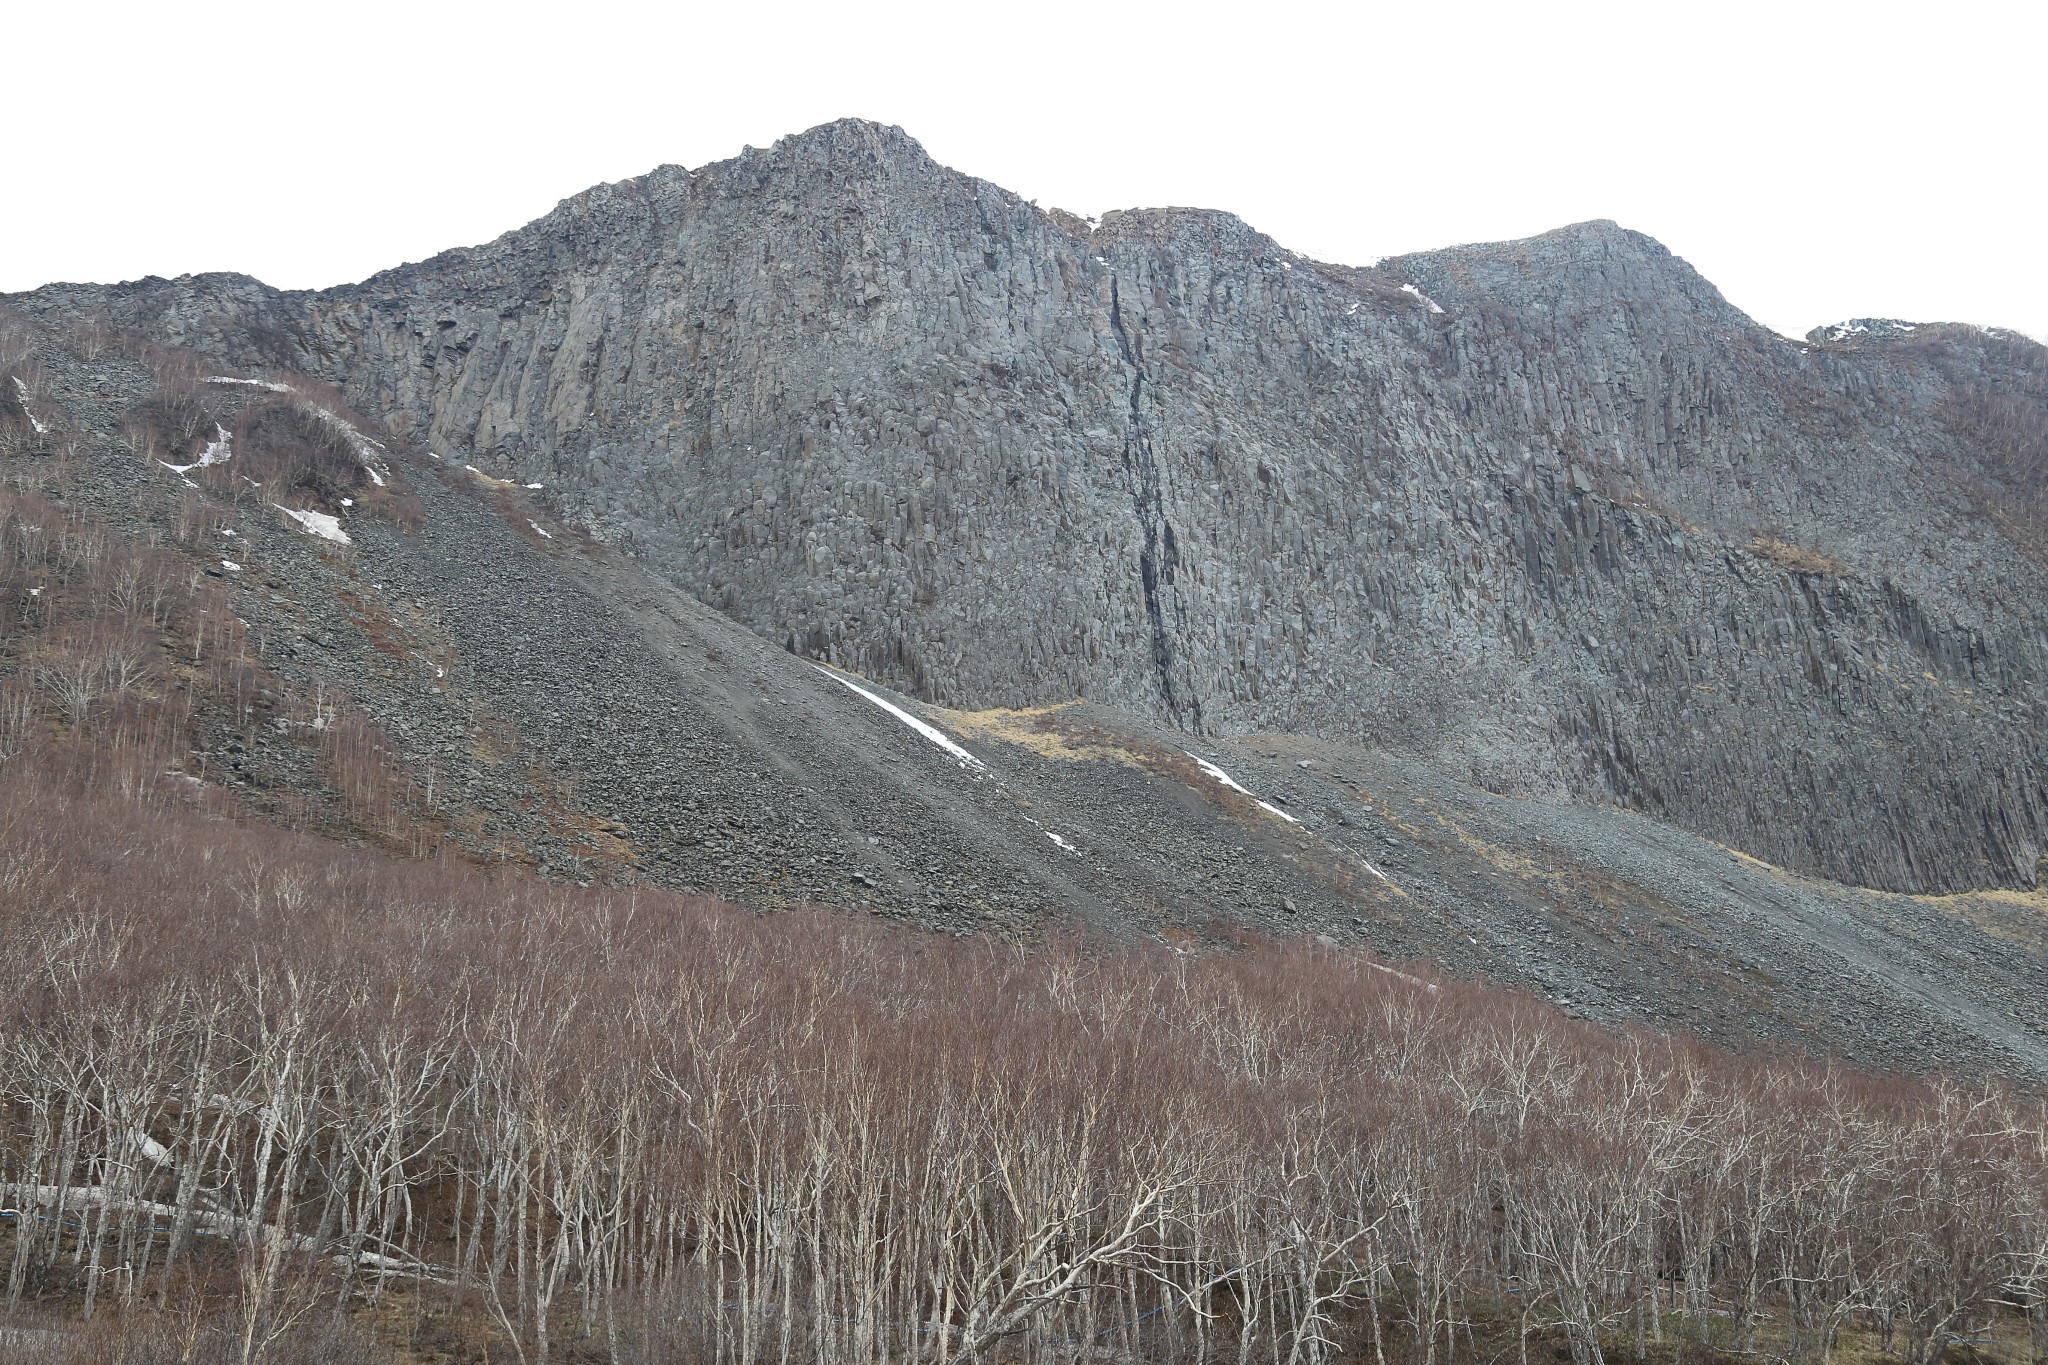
(1551, 515)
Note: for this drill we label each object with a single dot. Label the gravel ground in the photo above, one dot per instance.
(728, 765)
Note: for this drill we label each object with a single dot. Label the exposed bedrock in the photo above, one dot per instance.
(1551, 514)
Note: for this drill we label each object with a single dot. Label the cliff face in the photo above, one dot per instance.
(1549, 514)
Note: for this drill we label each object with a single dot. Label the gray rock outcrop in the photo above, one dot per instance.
(1551, 515)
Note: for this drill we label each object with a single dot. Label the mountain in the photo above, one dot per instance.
(1570, 627)
(1551, 515)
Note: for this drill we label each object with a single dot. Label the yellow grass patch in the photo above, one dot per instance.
(1788, 556)
(1035, 728)
(489, 481)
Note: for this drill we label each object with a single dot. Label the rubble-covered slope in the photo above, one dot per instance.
(535, 697)
(1548, 517)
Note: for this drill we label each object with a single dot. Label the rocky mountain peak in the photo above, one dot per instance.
(1870, 329)
(1585, 269)
(1550, 515)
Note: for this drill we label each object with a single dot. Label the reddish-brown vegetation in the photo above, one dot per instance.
(655, 1128)
(119, 656)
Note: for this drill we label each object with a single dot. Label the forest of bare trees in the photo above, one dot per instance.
(282, 1079)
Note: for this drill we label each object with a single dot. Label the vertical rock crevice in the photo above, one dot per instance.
(1159, 552)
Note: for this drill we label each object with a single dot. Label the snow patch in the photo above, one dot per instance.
(317, 524)
(490, 480)
(1411, 980)
(230, 566)
(1058, 841)
(1227, 780)
(252, 383)
(1876, 327)
(218, 451)
(1366, 863)
(21, 391)
(537, 526)
(1427, 302)
(370, 454)
(930, 732)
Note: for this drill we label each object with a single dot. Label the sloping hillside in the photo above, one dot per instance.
(440, 661)
(1548, 516)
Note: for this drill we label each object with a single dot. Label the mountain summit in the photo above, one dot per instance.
(1549, 516)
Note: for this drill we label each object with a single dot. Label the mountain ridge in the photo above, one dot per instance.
(1562, 537)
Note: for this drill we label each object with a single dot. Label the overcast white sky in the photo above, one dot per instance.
(1816, 160)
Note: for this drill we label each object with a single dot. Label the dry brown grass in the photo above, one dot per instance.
(1037, 729)
(1795, 559)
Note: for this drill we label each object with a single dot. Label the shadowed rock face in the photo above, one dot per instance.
(1550, 515)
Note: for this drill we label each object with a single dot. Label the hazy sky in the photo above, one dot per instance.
(1817, 161)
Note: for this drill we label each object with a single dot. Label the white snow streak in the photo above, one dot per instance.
(252, 383)
(230, 566)
(21, 391)
(1411, 980)
(1063, 843)
(369, 453)
(1227, 780)
(218, 451)
(317, 524)
(1367, 864)
(1427, 301)
(930, 732)
(537, 526)
(1210, 768)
